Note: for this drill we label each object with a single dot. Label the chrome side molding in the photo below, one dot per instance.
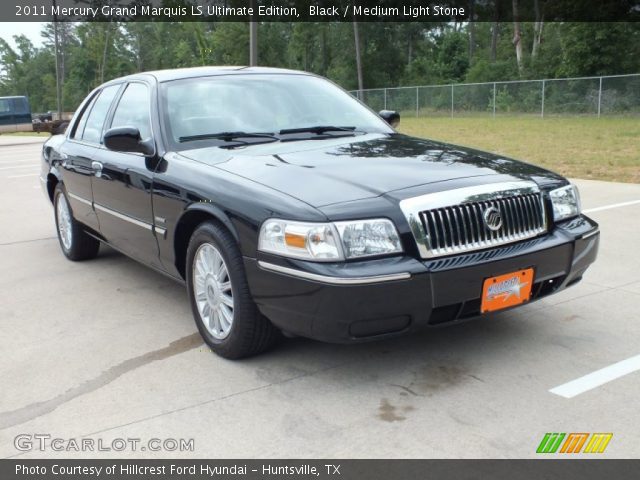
(147, 226)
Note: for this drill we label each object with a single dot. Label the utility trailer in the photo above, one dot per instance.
(50, 122)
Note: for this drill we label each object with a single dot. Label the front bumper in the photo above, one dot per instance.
(356, 301)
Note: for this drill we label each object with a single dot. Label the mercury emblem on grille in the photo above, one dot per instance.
(492, 219)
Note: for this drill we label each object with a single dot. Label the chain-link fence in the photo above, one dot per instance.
(589, 96)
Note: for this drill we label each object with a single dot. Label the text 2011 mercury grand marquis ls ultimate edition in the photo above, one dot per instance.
(286, 205)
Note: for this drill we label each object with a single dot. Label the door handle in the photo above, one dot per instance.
(97, 168)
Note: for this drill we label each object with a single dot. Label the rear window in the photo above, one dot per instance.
(82, 121)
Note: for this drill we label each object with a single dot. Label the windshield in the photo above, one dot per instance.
(257, 103)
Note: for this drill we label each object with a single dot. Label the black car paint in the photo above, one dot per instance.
(360, 176)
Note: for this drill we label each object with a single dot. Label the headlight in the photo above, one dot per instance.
(565, 201)
(366, 238)
(327, 242)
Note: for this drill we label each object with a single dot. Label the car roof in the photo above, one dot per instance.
(194, 72)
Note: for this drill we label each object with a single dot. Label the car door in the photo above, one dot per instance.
(122, 182)
(80, 151)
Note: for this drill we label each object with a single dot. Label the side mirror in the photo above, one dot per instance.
(391, 117)
(127, 139)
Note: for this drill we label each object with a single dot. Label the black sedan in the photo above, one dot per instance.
(287, 206)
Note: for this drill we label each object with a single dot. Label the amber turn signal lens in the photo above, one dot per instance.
(294, 240)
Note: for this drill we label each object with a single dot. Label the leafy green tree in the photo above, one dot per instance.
(393, 54)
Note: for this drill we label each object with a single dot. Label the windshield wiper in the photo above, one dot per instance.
(319, 129)
(227, 136)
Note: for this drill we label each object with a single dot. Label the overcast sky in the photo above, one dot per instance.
(30, 29)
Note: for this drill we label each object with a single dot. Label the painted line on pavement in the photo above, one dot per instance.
(597, 378)
(25, 175)
(21, 166)
(607, 207)
(23, 144)
(19, 160)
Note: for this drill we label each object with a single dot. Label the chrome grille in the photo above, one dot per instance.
(453, 221)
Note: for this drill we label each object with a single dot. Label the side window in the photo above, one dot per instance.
(92, 132)
(20, 105)
(82, 121)
(5, 105)
(133, 109)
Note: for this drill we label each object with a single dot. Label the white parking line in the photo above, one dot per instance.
(21, 166)
(597, 378)
(17, 161)
(607, 207)
(25, 175)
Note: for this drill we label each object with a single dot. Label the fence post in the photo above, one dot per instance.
(417, 102)
(385, 98)
(599, 97)
(542, 108)
(494, 99)
(452, 100)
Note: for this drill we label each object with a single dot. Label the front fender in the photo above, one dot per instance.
(212, 210)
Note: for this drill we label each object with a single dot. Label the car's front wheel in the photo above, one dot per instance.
(222, 307)
(75, 243)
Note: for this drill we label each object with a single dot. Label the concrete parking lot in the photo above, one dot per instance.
(107, 349)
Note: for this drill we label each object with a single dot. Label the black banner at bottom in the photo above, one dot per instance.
(583, 469)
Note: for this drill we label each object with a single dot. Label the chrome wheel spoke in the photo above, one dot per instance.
(201, 269)
(215, 316)
(211, 261)
(63, 215)
(218, 264)
(212, 291)
(226, 300)
(226, 316)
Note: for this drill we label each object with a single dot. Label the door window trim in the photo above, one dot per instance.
(91, 104)
(112, 112)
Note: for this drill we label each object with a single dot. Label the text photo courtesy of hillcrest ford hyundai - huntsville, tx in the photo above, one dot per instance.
(264, 245)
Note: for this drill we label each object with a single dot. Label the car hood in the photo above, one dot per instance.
(337, 170)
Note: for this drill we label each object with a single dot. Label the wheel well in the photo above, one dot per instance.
(52, 181)
(185, 228)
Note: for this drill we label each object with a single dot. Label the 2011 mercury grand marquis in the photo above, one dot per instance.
(286, 205)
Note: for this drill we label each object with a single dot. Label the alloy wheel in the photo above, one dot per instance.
(212, 291)
(64, 222)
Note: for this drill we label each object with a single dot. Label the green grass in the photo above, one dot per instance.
(591, 148)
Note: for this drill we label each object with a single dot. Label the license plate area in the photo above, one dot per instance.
(508, 290)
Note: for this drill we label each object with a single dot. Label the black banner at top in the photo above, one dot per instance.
(320, 10)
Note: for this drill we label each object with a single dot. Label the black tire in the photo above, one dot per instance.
(250, 333)
(82, 246)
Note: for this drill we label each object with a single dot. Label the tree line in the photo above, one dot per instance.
(364, 55)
